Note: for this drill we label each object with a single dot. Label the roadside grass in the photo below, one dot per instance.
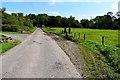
(32, 30)
(98, 60)
(5, 46)
(7, 32)
(1, 37)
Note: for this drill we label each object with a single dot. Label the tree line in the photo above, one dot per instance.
(107, 21)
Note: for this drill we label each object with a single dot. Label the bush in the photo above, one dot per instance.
(9, 19)
(112, 55)
(6, 27)
(15, 28)
(12, 28)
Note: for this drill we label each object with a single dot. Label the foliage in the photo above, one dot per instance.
(107, 21)
(1, 37)
(12, 28)
(9, 19)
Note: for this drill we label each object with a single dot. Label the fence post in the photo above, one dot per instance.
(62, 31)
(69, 30)
(65, 30)
(84, 36)
(66, 34)
(103, 40)
(74, 34)
(79, 35)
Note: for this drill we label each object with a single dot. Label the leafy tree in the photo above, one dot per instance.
(28, 22)
(14, 14)
(2, 10)
(110, 14)
(85, 23)
(20, 14)
(42, 18)
(9, 19)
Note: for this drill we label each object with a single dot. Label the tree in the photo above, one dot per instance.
(64, 22)
(110, 14)
(85, 23)
(9, 19)
(2, 10)
(20, 14)
(28, 23)
(42, 18)
(14, 14)
(118, 14)
(58, 21)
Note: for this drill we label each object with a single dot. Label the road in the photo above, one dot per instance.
(20, 37)
(37, 57)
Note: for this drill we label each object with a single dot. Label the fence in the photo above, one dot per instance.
(69, 33)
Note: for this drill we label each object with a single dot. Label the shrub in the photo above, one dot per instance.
(12, 28)
(15, 28)
(6, 27)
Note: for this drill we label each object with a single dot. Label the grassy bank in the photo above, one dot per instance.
(100, 60)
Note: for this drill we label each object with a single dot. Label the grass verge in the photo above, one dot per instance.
(5, 46)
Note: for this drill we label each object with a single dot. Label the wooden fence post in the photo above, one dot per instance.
(62, 31)
(66, 34)
(69, 30)
(74, 34)
(65, 30)
(79, 35)
(103, 40)
(84, 36)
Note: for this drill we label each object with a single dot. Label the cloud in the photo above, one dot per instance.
(115, 6)
(82, 16)
(8, 12)
(54, 13)
(52, 2)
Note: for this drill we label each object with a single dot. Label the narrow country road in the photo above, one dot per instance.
(37, 57)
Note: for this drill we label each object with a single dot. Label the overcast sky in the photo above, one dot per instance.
(77, 8)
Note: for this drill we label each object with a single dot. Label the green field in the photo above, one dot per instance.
(95, 35)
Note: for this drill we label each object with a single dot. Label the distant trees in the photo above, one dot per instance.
(15, 19)
(107, 21)
(102, 22)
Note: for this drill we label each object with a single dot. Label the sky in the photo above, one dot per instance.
(78, 9)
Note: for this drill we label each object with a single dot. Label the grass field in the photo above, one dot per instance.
(94, 47)
(95, 35)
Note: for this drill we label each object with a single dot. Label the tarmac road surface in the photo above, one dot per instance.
(38, 56)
